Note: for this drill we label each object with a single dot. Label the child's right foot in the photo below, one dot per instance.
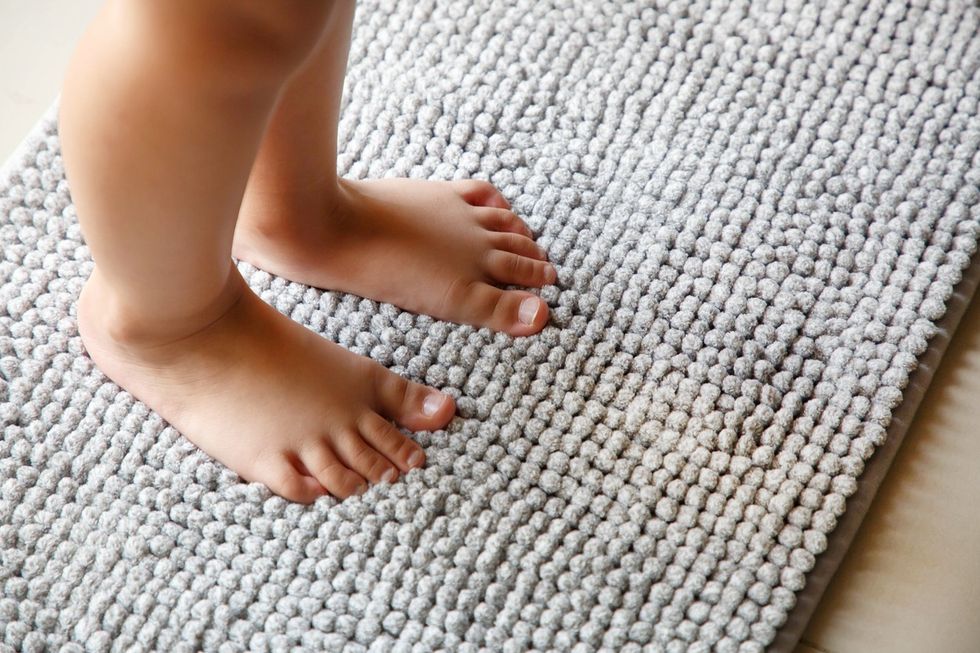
(270, 399)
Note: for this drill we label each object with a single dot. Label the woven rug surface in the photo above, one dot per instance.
(758, 212)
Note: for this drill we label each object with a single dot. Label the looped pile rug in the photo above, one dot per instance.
(758, 212)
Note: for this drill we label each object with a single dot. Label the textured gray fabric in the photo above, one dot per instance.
(757, 211)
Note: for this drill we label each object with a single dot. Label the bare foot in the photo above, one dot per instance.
(270, 399)
(433, 247)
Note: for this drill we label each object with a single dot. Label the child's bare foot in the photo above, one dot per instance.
(432, 247)
(270, 399)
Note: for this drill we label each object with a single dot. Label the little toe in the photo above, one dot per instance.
(504, 220)
(509, 268)
(480, 193)
(280, 476)
(415, 406)
(511, 311)
(392, 443)
(335, 476)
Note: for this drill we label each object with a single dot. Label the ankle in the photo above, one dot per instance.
(288, 190)
(287, 218)
(104, 314)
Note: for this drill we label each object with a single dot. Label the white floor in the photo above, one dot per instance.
(36, 40)
(922, 526)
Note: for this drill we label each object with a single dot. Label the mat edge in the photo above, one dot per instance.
(789, 636)
(30, 142)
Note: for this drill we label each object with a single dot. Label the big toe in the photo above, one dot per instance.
(413, 405)
(532, 312)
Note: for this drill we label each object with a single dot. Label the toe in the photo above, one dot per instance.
(364, 459)
(511, 311)
(480, 193)
(509, 268)
(396, 447)
(518, 244)
(415, 406)
(279, 474)
(497, 219)
(332, 474)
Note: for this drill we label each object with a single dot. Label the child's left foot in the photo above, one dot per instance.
(432, 247)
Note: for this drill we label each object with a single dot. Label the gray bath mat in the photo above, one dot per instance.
(758, 212)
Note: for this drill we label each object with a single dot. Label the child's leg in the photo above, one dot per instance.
(162, 113)
(431, 247)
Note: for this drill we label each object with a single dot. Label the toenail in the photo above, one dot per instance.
(389, 476)
(529, 309)
(361, 489)
(415, 459)
(552, 274)
(433, 403)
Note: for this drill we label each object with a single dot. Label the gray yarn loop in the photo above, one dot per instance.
(758, 212)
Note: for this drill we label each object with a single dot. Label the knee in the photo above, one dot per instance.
(237, 40)
(277, 35)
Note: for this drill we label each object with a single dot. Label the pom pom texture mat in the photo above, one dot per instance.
(758, 212)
